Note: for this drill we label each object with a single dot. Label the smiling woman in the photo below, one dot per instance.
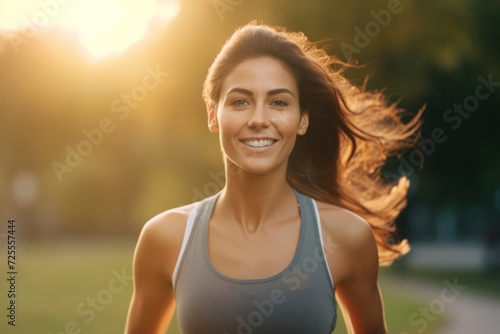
(103, 27)
(303, 220)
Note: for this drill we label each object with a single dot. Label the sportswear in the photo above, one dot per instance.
(298, 300)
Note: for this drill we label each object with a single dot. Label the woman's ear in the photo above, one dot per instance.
(304, 122)
(213, 125)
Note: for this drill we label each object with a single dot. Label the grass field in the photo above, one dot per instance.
(84, 286)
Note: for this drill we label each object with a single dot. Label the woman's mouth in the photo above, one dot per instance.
(259, 142)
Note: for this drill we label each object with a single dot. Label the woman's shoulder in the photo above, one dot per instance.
(345, 227)
(168, 224)
(160, 240)
(349, 242)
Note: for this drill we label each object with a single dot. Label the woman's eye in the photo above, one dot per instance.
(240, 102)
(279, 103)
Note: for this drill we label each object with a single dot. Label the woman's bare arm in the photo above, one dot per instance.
(354, 265)
(152, 304)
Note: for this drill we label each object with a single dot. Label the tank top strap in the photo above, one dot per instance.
(312, 240)
(199, 215)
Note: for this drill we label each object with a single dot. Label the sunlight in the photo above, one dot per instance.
(103, 27)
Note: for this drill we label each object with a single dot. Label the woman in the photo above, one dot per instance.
(304, 218)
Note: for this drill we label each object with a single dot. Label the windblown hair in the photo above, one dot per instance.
(351, 131)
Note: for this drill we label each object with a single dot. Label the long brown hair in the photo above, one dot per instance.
(351, 130)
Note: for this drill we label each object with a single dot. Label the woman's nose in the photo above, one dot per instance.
(259, 117)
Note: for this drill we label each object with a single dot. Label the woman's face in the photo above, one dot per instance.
(258, 116)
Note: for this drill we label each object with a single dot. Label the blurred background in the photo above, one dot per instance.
(102, 126)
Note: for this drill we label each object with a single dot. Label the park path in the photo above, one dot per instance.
(468, 313)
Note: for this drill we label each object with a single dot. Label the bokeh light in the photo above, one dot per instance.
(24, 187)
(103, 27)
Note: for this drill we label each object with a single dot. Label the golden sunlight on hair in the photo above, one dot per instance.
(103, 27)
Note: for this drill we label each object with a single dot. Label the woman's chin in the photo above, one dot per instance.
(253, 169)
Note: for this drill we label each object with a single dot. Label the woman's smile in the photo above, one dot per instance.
(258, 145)
(258, 142)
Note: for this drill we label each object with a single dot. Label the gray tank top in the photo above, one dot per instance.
(300, 299)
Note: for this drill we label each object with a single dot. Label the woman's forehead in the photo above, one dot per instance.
(260, 74)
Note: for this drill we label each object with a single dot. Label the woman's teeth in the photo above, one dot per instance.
(259, 143)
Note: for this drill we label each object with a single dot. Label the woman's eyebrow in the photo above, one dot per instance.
(250, 93)
(240, 90)
(279, 91)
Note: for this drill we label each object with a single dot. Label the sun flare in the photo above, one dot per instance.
(103, 27)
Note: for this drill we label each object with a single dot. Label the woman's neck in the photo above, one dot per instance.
(253, 200)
